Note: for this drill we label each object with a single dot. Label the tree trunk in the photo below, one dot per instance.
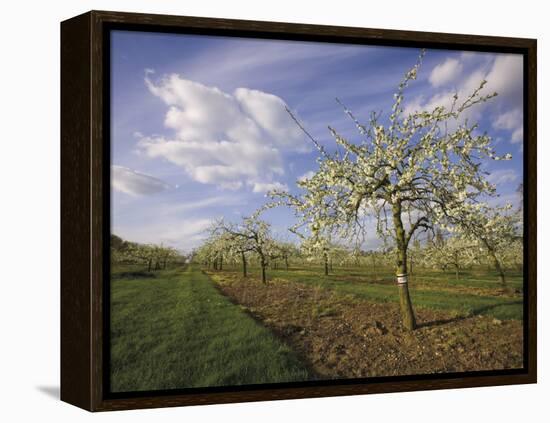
(263, 265)
(286, 262)
(149, 265)
(456, 272)
(244, 264)
(221, 262)
(407, 313)
(498, 267)
(330, 265)
(264, 279)
(326, 263)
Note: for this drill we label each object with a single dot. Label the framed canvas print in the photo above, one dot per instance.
(259, 210)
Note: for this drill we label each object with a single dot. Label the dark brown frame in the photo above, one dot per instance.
(84, 171)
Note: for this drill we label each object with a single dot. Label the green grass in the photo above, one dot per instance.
(427, 296)
(173, 329)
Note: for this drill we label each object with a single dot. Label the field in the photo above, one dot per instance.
(474, 293)
(250, 245)
(193, 327)
(172, 329)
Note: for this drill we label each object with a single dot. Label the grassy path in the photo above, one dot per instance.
(176, 330)
(434, 297)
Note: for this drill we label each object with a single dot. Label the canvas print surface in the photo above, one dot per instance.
(287, 211)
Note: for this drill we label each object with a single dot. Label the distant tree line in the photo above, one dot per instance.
(152, 256)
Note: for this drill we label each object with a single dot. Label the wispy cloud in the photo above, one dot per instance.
(166, 209)
(504, 75)
(503, 176)
(512, 121)
(260, 187)
(135, 183)
(182, 233)
(308, 175)
(176, 219)
(513, 198)
(445, 72)
(284, 62)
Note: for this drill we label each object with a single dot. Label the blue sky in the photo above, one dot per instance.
(199, 129)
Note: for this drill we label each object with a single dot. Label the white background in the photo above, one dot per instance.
(29, 232)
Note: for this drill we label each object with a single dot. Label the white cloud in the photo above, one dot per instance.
(230, 140)
(504, 75)
(308, 175)
(191, 205)
(445, 72)
(502, 176)
(179, 221)
(269, 112)
(513, 198)
(445, 97)
(517, 137)
(513, 122)
(181, 233)
(261, 187)
(135, 183)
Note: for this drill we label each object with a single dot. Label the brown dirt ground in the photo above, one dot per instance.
(340, 336)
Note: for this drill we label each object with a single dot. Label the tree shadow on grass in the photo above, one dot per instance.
(475, 312)
(441, 322)
(482, 310)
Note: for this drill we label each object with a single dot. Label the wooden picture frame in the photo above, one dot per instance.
(85, 112)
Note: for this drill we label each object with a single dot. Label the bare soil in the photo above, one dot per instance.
(341, 336)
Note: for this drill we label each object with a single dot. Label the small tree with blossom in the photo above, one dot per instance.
(286, 251)
(251, 235)
(237, 245)
(212, 251)
(315, 248)
(456, 252)
(495, 229)
(410, 172)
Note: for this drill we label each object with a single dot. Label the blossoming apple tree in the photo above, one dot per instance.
(155, 257)
(456, 252)
(409, 171)
(251, 235)
(495, 229)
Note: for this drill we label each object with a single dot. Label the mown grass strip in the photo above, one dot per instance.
(175, 330)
